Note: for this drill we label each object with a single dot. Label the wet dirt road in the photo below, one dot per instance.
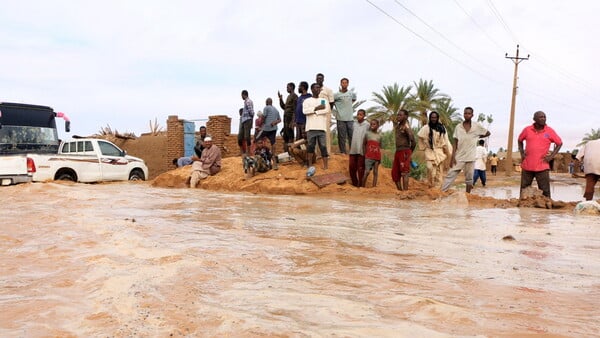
(127, 259)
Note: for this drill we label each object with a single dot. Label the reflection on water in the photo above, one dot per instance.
(559, 192)
(126, 259)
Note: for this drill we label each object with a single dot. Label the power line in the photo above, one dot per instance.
(550, 98)
(477, 25)
(433, 45)
(565, 74)
(502, 21)
(444, 37)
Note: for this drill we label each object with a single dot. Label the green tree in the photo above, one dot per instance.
(592, 135)
(390, 100)
(426, 99)
(449, 115)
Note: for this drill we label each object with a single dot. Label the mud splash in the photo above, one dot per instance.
(129, 259)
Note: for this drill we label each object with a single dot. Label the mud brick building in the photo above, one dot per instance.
(218, 127)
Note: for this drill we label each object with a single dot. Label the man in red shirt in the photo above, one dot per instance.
(536, 158)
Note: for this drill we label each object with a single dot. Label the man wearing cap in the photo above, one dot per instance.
(208, 164)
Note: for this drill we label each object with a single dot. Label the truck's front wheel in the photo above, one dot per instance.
(136, 175)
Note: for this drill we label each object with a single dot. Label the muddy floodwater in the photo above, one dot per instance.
(127, 259)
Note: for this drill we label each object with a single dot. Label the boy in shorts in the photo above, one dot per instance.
(372, 152)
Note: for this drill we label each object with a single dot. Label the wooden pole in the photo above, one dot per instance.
(509, 152)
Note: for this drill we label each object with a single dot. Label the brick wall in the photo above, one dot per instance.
(174, 139)
(219, 128)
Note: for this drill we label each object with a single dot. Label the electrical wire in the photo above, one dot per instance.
(444, 37)
(502, 21)
(477, 25)
(433, 45)
(538, 56)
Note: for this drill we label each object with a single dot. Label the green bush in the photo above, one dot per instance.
(386, 161)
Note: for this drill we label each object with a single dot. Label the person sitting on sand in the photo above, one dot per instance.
(299, 152)
(198, 148)
(258, 124)
(206, 165)
(262, 161)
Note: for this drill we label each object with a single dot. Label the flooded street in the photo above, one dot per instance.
(127, 259)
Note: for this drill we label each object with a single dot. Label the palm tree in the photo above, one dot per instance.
(390, 100)
(427, 98)
(592, 135)
(449, 115)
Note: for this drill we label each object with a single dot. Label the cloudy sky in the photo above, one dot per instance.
(124, 63)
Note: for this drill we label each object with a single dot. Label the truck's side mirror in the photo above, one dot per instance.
(67, 126)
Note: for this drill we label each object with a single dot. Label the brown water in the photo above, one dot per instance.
(127, 259)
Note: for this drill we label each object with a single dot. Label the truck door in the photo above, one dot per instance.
(112, 161)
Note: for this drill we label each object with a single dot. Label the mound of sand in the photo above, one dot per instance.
(290, 179)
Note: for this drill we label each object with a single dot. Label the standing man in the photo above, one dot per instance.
(300, 118)
(433, 140)
(206, 165)
(590, 153)
(536, 156)
(480, 163)
(405, 144)
(356, 163)
(246, 124)
(289, 108)
(345, 114)
(316, 110)
(464, 147)
(327, 94)
(272, 119)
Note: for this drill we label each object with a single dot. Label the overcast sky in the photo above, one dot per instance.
(124, 63)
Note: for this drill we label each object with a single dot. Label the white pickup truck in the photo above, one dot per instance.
(87, 160)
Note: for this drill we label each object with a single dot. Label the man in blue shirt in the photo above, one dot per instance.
(300, 118)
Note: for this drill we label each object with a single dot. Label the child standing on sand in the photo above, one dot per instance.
(372, 152)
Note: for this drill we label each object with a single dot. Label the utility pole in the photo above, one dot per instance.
(509, 160)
